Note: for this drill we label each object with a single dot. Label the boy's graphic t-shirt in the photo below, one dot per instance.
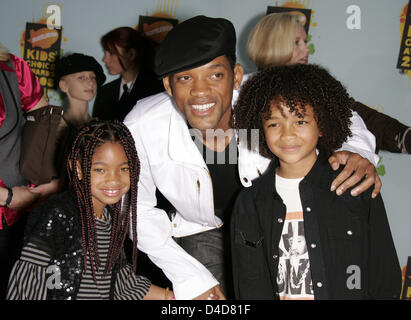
(294, 276)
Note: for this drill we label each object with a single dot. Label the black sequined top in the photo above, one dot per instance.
(52, 264)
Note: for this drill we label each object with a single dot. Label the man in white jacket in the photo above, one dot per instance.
(180, 133)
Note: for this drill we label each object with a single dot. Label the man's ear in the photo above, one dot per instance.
(167, 85)
(238, 76)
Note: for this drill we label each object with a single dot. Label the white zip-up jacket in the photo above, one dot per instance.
(171, 162)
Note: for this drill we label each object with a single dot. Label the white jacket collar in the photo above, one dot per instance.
(180, 145)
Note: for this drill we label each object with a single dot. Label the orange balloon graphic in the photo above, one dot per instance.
(43, 38)
(157, 31)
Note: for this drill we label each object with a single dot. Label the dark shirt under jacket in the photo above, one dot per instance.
(224, 176)
(341, 231)
(107, 105)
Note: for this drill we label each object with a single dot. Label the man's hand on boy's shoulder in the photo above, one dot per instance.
(356, 169)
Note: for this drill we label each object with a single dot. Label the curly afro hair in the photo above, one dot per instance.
(296, 86)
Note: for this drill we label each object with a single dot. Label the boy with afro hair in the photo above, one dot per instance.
(292, 237)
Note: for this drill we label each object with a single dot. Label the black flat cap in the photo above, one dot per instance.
(193, 43)
(78, 62)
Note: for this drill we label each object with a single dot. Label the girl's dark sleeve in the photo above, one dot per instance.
(130, 286)
(28, 278)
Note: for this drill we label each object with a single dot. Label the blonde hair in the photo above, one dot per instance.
(4, 54)
(271, 42)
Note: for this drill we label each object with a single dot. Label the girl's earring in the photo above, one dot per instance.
(79, 172)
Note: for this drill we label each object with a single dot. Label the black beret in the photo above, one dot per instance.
(78, 62)
(193, 43)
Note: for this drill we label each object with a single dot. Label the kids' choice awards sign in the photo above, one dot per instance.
(404, 59)
(41, 49)
(406, 289)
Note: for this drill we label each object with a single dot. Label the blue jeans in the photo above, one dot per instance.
(212, 249)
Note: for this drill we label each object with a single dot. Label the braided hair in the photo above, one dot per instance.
(296, 86)
(91, 136)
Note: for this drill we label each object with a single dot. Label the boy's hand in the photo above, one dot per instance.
(356, 167)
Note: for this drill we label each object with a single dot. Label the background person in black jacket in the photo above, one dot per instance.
(128, 54)
(292, 237)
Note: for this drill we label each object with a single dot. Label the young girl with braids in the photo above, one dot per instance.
(293, 238)
(74, 241)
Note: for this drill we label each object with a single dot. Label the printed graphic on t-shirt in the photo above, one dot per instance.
(294, 277)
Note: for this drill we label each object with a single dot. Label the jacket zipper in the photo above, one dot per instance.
(212, 195)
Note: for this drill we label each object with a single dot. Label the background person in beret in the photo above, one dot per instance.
(77, 76)
(198, 66)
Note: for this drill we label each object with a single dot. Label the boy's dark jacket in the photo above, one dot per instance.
(347, 233)
(55, 227)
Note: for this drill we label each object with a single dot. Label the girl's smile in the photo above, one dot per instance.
(111, 193)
